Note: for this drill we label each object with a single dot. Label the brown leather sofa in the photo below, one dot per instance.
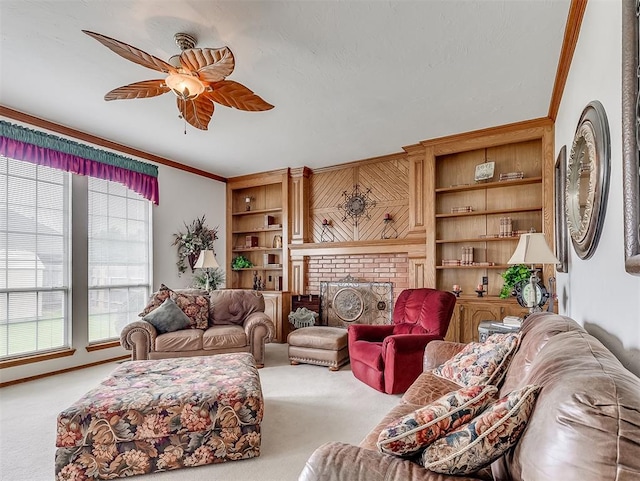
(237, 323)
(585, 425)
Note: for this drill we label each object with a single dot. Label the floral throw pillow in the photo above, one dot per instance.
(485, 438)
(481, 363)
(194, 305)
(156, 300)
(196, 308)
(415, 431)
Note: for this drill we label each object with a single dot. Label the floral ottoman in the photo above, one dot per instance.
(150, 416)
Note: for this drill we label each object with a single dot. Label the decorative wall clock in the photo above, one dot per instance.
(587, 182)
(356, 204)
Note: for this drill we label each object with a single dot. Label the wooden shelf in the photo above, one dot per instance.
(490, 212)
(256, 249)
(257, 211)
(259, 268)
(495, 266)
(257, 231)
(470, 240)
(488, 185)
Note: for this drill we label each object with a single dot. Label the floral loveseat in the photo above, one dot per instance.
(192, 322)
(583, 426)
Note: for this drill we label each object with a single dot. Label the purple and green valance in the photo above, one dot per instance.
(40, 148)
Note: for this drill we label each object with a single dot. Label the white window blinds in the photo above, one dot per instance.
(34, 258)
(119, 257)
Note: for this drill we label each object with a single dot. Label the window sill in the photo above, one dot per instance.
(102, 345)
(20, 361)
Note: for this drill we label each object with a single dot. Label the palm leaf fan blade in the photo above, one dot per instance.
(197, 112)
(235, 95)
(212, 64)
(131, 53)
(138, 90)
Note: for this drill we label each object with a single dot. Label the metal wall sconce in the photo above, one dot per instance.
(327, 235)
(388, 231)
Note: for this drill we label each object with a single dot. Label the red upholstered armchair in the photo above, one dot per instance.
(389, 357)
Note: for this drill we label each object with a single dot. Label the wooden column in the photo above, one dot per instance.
(416, 156)
(299, 202)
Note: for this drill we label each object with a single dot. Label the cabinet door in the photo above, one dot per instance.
(273, 309)
(513, 309)
(277, 306)
(473, 314)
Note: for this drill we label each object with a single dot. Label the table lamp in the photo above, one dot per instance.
(532, 249)
(206, 260)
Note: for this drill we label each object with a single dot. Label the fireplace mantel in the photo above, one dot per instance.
(410, 245)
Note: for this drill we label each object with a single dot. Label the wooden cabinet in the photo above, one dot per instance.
(276, 306)
(258, 230)
(485, 218)
(469, 313)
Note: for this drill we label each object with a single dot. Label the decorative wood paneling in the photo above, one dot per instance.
(388, 180)
(417, 273)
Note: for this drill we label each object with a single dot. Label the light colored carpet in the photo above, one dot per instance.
(305, 406)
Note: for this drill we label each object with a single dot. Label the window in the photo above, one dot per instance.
(119, 257)
(34, 258)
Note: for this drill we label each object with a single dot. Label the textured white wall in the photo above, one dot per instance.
(598, 292)
(183, 197)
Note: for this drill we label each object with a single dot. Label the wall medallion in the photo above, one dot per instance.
(587, 183)
(356, 204)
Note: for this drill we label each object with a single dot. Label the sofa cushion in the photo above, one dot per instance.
(168, 317)
(481, 363)
(485, 438)
(180, 341)
(415, 431)
(222, 337)
(232, 306)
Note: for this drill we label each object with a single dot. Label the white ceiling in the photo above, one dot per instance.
(349, 79)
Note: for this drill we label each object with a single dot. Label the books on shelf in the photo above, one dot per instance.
(483, 264)
(467, 256)
(511, 176)
(512, 321)
(461, 210)
(506, 227)
(450, 262)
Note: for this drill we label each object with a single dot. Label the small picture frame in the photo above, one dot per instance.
(485, 171)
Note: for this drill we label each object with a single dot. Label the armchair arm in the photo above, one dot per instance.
(437, 352)
(408, 342)
(139, 337)
(259, 330)
(338, 462)
(369, 332)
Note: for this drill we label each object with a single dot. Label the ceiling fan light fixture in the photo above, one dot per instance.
(184, 86)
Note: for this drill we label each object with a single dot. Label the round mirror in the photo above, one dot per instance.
(588, 179)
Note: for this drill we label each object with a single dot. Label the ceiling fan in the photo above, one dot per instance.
(197, 77)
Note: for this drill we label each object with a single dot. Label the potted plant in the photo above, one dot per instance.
(216, 278)
(197, 237)
(241, 262)
(513, 275)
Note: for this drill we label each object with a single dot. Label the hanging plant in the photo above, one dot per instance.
(197, 237)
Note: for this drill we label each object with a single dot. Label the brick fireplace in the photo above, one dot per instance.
(391, 267)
